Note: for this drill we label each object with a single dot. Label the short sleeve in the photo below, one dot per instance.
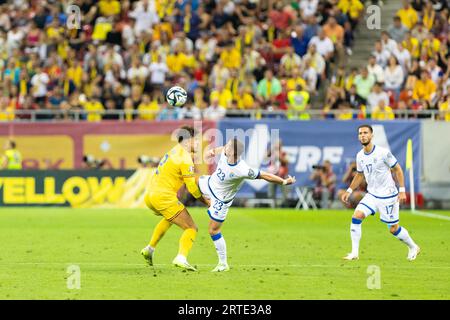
(390, 160)
(359, 169)
(249, 172)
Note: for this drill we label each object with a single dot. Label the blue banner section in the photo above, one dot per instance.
(309, 143)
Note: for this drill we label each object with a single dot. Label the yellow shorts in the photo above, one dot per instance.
(164, 205)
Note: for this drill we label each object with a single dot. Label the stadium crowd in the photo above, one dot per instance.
(407, 70)
(242, 54)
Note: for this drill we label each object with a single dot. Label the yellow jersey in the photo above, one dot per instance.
(14, 159)
(175, 169)
(444, 108)
(94, 110)
(409, 17)
(386, 114)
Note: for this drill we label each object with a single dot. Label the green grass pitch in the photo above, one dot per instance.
(274, 254)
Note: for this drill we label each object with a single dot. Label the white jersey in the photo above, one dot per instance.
(226, 181)
(376, 166)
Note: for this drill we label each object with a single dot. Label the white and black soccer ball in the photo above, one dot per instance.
(176, 96)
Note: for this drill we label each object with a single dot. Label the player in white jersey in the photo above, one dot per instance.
(375, 163)
(221, 187)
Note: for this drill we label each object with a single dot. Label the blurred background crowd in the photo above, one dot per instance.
(229, 55)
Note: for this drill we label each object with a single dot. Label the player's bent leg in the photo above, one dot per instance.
(355, 235)
(159, 231)
(220, 244)
(185, 222)
(403, 235)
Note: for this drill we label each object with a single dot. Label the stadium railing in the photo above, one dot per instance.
(254, 114)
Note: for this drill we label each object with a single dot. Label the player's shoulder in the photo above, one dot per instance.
(360, 153)
(382, 151)
(246, 170)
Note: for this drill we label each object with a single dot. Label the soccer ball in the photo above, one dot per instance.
(176, 96)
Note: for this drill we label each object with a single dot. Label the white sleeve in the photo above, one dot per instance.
(358, 166)
(249, 172)
(390, 160)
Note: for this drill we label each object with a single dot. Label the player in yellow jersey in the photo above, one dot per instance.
(175, 169)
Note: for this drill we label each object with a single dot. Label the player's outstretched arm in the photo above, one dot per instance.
(193, 189)
(276, 179)
(357, 180)
(398, 172)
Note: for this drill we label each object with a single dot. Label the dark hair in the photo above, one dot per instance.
(238, 146)
(186, 132)
(12, 144)
(366, 126)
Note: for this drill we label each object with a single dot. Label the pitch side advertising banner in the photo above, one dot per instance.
(74, 188)
(62, 145)
(309, 143)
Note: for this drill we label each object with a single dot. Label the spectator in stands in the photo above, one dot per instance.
(420, 32)
(324, 45)
(289, 61)
(375, 69)
(308, 8)
(123, 45)
(93, 108)
(424, 88)
(397, 30)
(353, 98)
(377, 95)
(354, 9)
(444, 109)
(298, 103)
(147, 109)
(335, 33)
(403, 57)
(381, 54)
(382, 111)
(299, 41)
(39, 82)
(408, 15)
(387, 43)
(268, 88)
(393, 76)
(364, 83)
(357, 194)
(222, 95)
(215, 111)
(325, 180)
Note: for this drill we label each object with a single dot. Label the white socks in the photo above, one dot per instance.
(221, 247)
(403, 235)
(355, 235)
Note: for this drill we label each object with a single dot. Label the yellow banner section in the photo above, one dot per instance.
(76, 191)
(120, 151)
(129, 194)
(45, 151)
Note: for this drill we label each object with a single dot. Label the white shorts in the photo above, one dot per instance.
(387, 207)
(218, 210)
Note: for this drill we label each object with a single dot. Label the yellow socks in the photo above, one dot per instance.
(186, 241)
(159, 232)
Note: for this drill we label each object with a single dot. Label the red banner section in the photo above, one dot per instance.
(63, 145)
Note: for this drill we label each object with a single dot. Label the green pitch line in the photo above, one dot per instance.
(273, 254)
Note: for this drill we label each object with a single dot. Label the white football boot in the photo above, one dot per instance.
(413, 253)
